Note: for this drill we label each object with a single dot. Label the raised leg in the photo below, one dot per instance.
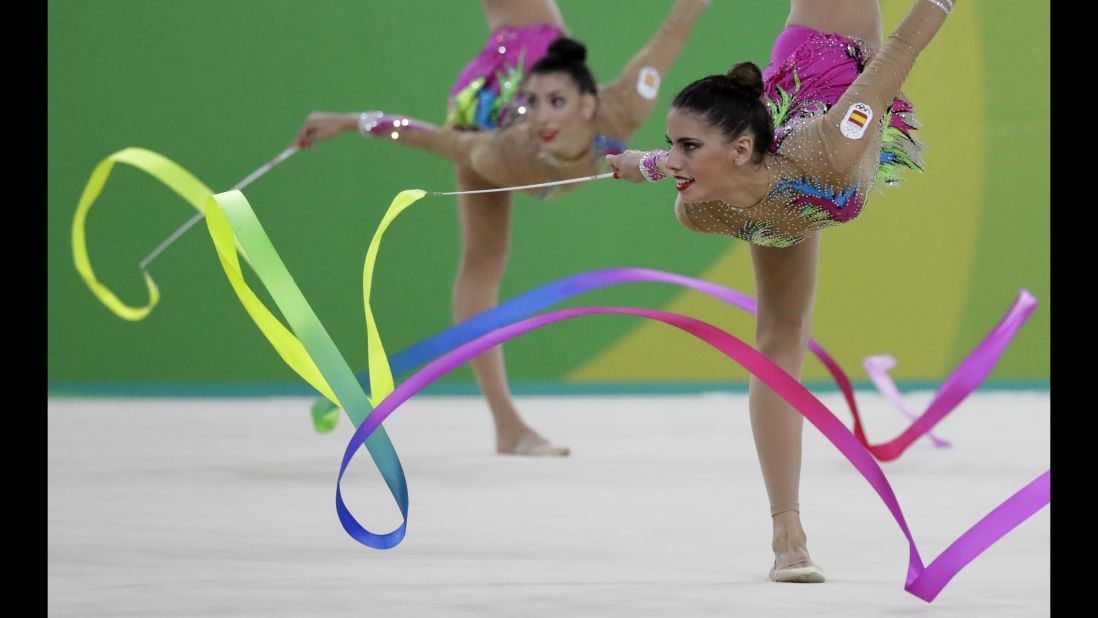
(519, 13)
(857, 18)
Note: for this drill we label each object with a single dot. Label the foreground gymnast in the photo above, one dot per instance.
(525, 111)
(773, 159)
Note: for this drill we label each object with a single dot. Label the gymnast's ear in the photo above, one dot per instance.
(742, 148)
(588, 104)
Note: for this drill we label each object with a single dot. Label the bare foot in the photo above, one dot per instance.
(529, 443)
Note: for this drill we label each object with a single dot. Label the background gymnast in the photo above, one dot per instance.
(526, 110)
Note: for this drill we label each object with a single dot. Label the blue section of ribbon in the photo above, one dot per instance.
(515, 309)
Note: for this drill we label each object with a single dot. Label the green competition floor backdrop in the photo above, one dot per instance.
(222, 87)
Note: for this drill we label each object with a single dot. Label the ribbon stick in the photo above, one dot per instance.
(555, 183)
(263, 169)
(171, 174)
(166, 171)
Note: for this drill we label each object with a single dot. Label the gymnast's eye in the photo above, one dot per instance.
(557, 102)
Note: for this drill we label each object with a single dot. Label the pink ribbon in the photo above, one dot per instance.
(925, 582)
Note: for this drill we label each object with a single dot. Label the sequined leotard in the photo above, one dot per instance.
(512, 156)
(826, 156)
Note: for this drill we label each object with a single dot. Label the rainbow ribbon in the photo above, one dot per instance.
(233, 227)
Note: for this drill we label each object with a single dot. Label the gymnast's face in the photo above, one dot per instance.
(703, 159)
(560, 115)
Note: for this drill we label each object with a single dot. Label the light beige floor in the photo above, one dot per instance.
(226, 507)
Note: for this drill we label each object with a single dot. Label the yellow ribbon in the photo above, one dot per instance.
(159, 167)
(198, 195)
(381, 376)
(288, 346)
(284, 342)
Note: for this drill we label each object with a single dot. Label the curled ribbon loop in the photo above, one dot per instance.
(230, 219)
(174, 177)
(234, 229)
(166, 171)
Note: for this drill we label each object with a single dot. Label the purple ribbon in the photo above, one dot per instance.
(925, 582)
(960, 383)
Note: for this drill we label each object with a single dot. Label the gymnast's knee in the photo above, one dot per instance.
(485, 264)
(778, 334)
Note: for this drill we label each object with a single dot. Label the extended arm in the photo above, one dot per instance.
(841, 131)
(625, 103)
(451, 144)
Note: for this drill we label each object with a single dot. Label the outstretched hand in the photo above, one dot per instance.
(626, 165)
(319, 126)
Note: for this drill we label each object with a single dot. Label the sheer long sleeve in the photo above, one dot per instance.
(844, 132)
(625, 103)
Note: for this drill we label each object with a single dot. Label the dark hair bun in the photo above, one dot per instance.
(568, 50)
(747, 75)
(567, 56)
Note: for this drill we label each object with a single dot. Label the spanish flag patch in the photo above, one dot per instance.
(856, 120)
